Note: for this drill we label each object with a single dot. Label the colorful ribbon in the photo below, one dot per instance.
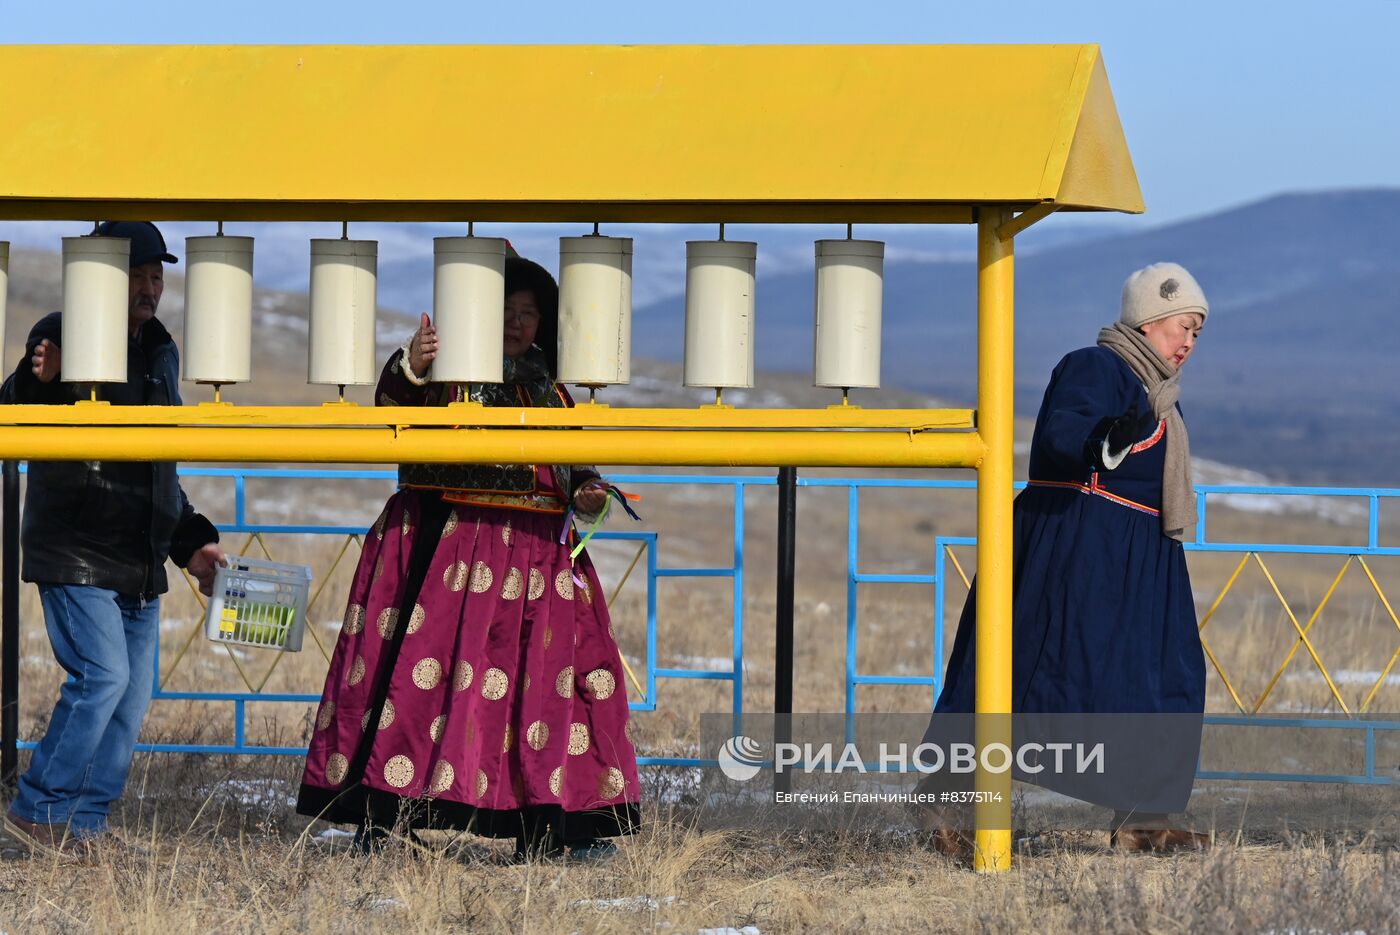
(613, 493)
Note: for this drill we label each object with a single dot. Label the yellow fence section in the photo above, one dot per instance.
(1305, 640)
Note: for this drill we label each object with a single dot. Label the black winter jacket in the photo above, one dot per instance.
(110, 524)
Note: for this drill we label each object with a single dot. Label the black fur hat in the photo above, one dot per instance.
(524, 275)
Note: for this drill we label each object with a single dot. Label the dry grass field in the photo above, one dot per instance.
(227, 854)
(224, 852)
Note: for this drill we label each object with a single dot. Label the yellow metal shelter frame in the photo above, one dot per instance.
(996, 136)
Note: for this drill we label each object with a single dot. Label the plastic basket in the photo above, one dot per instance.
(258, 603)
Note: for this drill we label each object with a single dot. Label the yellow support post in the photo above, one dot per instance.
(996, 413)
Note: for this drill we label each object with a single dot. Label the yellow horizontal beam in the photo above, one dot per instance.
(583, 416)
(671, 212)
(506, 446)
(648, 133)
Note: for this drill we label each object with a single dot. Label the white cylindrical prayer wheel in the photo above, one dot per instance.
(218, 309)
(850, 294)
(595, 310)
(341, 349)
(96, 277)
(469, 299)
(719, 312)
(4, 285)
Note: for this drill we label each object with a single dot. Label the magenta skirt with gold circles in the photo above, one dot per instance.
(488, 697)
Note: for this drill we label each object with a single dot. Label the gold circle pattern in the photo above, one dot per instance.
(610, 783)
(336, 768)
(537, 735)
(601, 684)
(536, 584)
(454, 576)
(481, 578)
(398, 772)
(514, 585)
(388, 621)
(442, 777)
(436, 727)
(564, 684)
(415, 619)
(323, 716)
(354, 619)
(578, 739)
(427, 673)
(357, 671)
(494, 684)
(386, 714)
(462, 675)
(556, 781)
(564, 584)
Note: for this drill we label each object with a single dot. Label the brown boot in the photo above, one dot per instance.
(1157, 840)
(51, 840)
(953, 842)
(943, 831)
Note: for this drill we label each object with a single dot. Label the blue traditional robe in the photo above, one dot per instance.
(1103, 618)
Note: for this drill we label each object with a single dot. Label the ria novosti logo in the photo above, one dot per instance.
(741, 758)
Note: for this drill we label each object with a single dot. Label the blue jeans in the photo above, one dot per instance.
(106, 643)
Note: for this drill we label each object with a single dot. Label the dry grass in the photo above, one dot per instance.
(218, 867)
(228, 854)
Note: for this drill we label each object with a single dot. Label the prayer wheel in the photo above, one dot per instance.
(95, 298)
(719, 312)
(344, 284)
(850, 293)
(595, 310)
(218, 309)
(469, 298)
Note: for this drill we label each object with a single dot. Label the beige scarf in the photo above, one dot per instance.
(1163, 384)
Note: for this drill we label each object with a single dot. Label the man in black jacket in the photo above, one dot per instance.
(96, 536)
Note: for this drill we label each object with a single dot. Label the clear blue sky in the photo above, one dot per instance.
(1223, 102)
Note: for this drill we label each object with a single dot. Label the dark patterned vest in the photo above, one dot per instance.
(526, 382)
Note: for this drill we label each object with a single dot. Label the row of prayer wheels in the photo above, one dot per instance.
(595, 310)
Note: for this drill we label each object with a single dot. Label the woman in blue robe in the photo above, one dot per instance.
(1103, 620)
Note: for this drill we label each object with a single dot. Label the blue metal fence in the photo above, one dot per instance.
(855, 578)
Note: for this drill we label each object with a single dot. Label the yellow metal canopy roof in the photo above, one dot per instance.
(596, 133)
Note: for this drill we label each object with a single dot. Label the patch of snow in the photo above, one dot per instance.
(625, 903)
(254, 792)
(1365, 677)
(382, 903)
(335, 834)
(703, 663)
(1341, 510)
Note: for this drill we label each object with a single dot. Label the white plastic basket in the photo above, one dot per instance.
(258, 603)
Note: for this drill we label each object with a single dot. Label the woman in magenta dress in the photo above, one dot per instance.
(476, 684)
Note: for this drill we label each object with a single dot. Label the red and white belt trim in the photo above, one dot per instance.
(1094, 490)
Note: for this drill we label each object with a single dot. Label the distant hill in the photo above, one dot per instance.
(1294, 377)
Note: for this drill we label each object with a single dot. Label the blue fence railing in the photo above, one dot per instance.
(733, 572)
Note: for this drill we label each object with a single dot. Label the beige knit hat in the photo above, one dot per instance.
(1160, 290)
